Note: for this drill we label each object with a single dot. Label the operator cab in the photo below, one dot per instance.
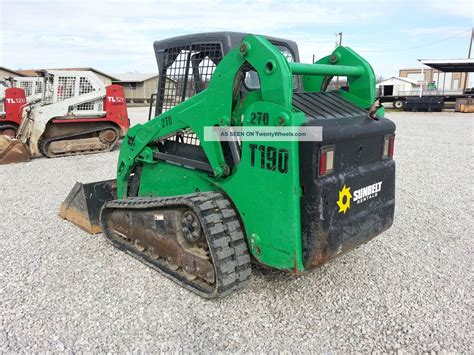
(186, 64)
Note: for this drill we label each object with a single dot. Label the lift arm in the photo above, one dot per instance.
(342, 62)
(210, 107)
(213, 106)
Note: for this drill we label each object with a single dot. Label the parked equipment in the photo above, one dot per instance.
(67, 113)
(18, 91)
(465, 105)
(197, 210)
(2, 98)
(11, 105)
(424, 103)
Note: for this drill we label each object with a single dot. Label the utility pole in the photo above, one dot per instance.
(466, 74)
(337, 45)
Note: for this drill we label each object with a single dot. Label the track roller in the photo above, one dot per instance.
(196, 240)
(91, 141)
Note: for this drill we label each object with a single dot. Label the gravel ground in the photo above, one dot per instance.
(409, 289)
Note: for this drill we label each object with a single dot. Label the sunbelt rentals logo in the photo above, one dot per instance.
(358, 196)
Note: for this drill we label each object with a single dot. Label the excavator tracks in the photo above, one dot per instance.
(196, 240)
(94, 140)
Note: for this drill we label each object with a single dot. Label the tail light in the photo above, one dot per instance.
(388, 146)
(326, 160)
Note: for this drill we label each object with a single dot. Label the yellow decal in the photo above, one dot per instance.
(344, 206)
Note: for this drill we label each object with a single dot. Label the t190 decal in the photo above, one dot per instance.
(269, 158)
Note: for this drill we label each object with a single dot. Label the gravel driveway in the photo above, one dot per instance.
(409, 289)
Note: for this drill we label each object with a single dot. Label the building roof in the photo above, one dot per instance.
(33, 72)
(450, 65)
(411, 81)
(135, 77)
(15, 72)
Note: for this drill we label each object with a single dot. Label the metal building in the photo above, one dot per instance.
(449, 82)
(140, 87)
(6, 72)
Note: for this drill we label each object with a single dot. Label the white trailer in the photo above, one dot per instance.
(396, 87)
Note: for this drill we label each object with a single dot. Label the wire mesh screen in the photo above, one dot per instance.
(187, 71)
(66, 87)
(27, 86)
(38, 87)
(86, 106)
(85, 87)
(186, 136)
(286, 53)
(96, 106)
(30, 85)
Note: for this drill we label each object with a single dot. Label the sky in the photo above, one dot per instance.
(117, 36)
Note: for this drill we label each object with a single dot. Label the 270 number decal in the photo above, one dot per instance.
(166, 121)
(271, 158)
(259, 118)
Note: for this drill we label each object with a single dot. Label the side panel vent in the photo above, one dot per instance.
(325, 105)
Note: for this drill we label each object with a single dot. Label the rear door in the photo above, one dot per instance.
(348, 179)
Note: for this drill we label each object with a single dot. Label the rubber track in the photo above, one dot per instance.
(221, 225)
(47, 141)
(4, 126)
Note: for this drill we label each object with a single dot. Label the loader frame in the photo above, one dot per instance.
(274, 232)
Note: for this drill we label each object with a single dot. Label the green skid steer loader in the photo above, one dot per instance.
(200, 210)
